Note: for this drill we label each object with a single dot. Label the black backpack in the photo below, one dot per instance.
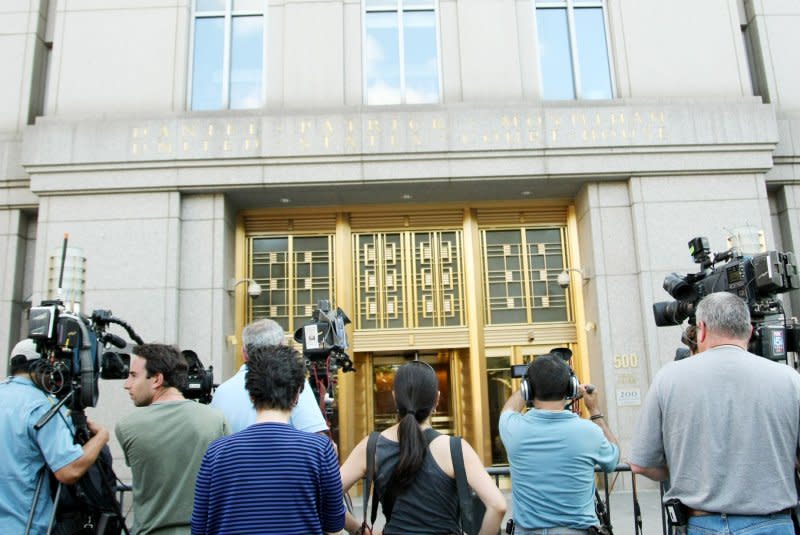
(90, 506)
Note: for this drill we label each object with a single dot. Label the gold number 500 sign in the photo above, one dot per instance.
(628, 360)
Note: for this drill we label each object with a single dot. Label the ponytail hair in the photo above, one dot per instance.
(415, 391)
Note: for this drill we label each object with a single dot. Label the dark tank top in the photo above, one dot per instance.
(430, 504)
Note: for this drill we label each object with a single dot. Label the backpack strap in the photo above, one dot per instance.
(464, 501)
(430, 435)
(372, 442)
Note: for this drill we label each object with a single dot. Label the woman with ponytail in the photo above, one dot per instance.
(414, 476)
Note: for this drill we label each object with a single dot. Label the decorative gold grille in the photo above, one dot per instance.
(408, 279)
(437, 279)
(380, 280)
(294, 272)
(520, 270)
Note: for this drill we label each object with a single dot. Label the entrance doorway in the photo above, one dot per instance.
(384, 368)
(500, 385)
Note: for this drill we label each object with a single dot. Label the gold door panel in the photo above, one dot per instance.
(382, 372)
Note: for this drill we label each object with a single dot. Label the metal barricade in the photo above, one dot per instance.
(498, 472)
(504, 471)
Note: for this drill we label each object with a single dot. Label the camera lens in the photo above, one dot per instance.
(671, 313)
(677, 287)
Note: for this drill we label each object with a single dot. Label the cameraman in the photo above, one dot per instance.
(723, 427)
(553, 452)
(164, 441)
(28, 452)
(232, 399)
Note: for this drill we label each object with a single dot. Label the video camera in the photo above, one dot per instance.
(199, 380)
(324, 343)
(76, 350)
(756, 278)
(69, 366)
(324, 338)
(70, 346)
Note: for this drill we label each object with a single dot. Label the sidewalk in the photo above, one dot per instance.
(621, 506)
(622, 512)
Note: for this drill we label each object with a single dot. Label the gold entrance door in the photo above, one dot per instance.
(500, 384)
(384, 411)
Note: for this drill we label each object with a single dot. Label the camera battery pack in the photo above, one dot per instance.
(676, 512)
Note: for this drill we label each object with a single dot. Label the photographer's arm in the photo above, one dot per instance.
(486, 489)
(71, 473)
(515, 402)
(353, 469)
(601, 423)
(590, 399)
(647, 457)
(656, 473)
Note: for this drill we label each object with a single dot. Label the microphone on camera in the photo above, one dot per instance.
(114, 340)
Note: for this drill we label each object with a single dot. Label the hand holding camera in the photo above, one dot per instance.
(589, 393)
(97, 429)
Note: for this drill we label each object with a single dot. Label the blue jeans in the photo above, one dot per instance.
(779, 524)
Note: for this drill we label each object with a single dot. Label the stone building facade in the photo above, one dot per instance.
(431, 167)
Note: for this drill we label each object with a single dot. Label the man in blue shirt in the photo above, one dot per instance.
(28, 453)
(553, 452)
(232, 398)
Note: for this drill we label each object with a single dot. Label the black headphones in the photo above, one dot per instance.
(573, 385)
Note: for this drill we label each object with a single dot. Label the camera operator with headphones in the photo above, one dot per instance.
(27, 451)
(723, 427)
(553, 452)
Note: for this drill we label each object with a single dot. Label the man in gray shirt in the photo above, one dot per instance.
(723, 426)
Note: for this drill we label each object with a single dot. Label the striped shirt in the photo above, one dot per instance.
(269, 479)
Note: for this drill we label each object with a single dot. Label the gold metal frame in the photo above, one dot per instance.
(409, 281)
(468, 363)
(525, 271)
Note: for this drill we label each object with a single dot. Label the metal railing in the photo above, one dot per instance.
(504, 471)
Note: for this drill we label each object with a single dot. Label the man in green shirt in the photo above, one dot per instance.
(164, 441)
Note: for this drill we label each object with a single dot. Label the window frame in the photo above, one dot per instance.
(570, 6)
(228, 15)
(294, 282)
(526, 271)
(396, 6)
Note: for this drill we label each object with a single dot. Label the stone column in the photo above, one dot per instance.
(13, 245)
(207, 248)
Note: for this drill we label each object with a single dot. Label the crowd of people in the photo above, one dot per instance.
(259, 458)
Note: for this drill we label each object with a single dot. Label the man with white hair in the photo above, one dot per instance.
(232, 398)
(724, 427)
(28, 452)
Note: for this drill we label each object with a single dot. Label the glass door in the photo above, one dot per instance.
(383, 372)
(500, 385)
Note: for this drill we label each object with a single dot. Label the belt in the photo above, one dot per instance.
(698, 512)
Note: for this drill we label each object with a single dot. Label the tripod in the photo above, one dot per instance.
(323, 384)
(92, 497)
